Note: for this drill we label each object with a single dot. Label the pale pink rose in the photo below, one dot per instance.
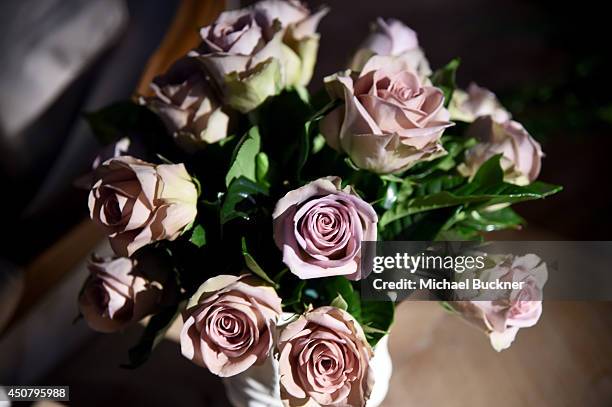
(117, 293)
(391, 37)
(229, 324)
(188, 105)
(475, 103)
(139, 203)
(320, 227)
(256, 51)
(521, 154)
(502, 318)
(324, 360)
(389, 120)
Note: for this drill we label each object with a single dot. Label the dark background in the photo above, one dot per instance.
(548, 62)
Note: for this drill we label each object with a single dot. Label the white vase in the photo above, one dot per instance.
(259, 385)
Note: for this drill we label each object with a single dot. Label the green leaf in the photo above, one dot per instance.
(198, 236)
(444, 78)
(295, 299)
(376, 319)
(486, 189)
(304, 146)
(120, 119)
(243, 160)
(253, 266)
(333, 287)
(487, 221)
(153, 333)
(262, 166)
(339, 302)
(241, 189)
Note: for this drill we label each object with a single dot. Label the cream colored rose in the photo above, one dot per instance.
(229, 324)
(521, 154)
(475, 103)
(117, 294)
(188, 106)
(391, 37)
(139, 203)
(389, 120)
(256, 51)
(325, 360)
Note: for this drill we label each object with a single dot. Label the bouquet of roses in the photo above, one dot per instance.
(232, 195)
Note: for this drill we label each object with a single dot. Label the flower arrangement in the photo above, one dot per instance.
(251, 197)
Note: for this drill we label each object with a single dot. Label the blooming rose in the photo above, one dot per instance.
(229, 324)
(255, 52)
(476, 102)
(324, 360)
(389, 120)
(320, 227)
(521, 154)
(392, 38)
(187, 105)
(501, 318)
(139, 203)
(118, 293)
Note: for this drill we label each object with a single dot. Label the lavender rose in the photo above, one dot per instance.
(255, 52)
(118, 293)
(139, 203)
(391, 37)
(320, 227)
(475, 103)
(521, 154)
(188, 106)
(502, 318)
(389, 120)
(229, 324)
(324, 360)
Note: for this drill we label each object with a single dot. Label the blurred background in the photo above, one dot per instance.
(549, 62)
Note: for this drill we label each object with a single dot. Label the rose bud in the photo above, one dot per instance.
(229, 324)
(324, 360)
(521, 154)
(120, 291)
(502, 318)
(475, 103)
(139, 203)
(301, 37)
(256, 51)
(187, 105)
(391, 37)
(389, 120)
(320, 227)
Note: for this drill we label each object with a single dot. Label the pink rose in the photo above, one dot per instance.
(188, 106)
(502, 318)
(229, 324)
(521, 154)
(117, 293)
(324, 360)
(320, 227)
(476, 102)
(389, 120)
(139, 203)
(256, 51)
(391, 37)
